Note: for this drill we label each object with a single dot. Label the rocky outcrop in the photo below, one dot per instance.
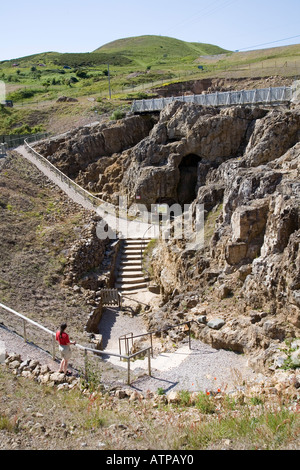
(74, 151)
(188, 140)
(251, 256)
(41, 373)
(90, 261)
(243, 164)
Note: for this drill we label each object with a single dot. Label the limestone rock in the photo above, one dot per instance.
(216, 323)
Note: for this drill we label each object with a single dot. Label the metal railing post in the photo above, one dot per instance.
(24, 325)
(128, 370)
(53, 347)
(151, 342)
(149, 363)
(85, 365)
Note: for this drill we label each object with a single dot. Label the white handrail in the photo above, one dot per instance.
(80, 189)
(102, 208)
(79, 346)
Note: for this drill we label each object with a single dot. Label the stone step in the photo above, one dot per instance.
(134, 265)
(133, 257)
(133, 248)
(128, 274)
(128, 281)
(132, 251)
(137, 240)
(132, 287)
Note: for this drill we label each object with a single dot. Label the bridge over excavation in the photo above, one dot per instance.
(263, 96)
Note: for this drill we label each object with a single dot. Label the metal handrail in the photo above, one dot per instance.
(130, 336)
(86, 349)
(96, 202)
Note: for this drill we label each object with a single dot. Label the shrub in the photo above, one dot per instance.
(22, 94)
(205, 404)
(117, 114)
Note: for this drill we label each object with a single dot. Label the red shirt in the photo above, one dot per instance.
(63, 339)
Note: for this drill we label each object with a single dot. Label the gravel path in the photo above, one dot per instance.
(199, 368)
(15, 344)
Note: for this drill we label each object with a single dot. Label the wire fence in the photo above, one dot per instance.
(11, 141)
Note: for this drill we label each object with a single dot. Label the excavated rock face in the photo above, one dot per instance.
(251, 258)
(91, 149)
(172, 163)
(243, 164)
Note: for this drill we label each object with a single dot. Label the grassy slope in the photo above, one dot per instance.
(38, 224)
(137, 65)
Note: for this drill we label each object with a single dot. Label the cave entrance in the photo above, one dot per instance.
(186, 190)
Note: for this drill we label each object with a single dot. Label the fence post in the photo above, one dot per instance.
(151, 341)
(189, 325)
(149, 363)
(53, 347)
(24, 324)
(85, 365)
(128, 370)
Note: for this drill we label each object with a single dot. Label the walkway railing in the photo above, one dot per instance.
(95, 201)
(128, 338)
(83, 349)
(14, 140)
(116, 218)
(265, 96)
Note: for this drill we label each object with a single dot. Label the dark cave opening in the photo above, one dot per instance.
(186, 190)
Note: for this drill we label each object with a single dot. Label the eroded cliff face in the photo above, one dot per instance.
(92, 155)
(248, 272)
(243, 164)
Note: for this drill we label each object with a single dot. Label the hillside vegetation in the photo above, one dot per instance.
(153, 50)
(138, 68)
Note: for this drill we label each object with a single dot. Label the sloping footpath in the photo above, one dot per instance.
(200, 368)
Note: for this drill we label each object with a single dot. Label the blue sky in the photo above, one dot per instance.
(29, 27)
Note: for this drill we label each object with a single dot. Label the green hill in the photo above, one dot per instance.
(80, 59)
(138, 67)
(149, 50)
(142, 50)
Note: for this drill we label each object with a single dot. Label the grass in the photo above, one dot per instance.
(137, 66)
(210, 223)
(91, 416)
(147, 255)
(152, 50)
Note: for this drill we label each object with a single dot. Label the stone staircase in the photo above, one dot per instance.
(130, 278)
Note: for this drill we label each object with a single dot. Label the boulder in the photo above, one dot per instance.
(216, 323)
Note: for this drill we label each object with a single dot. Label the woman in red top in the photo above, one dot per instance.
(64, 346)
